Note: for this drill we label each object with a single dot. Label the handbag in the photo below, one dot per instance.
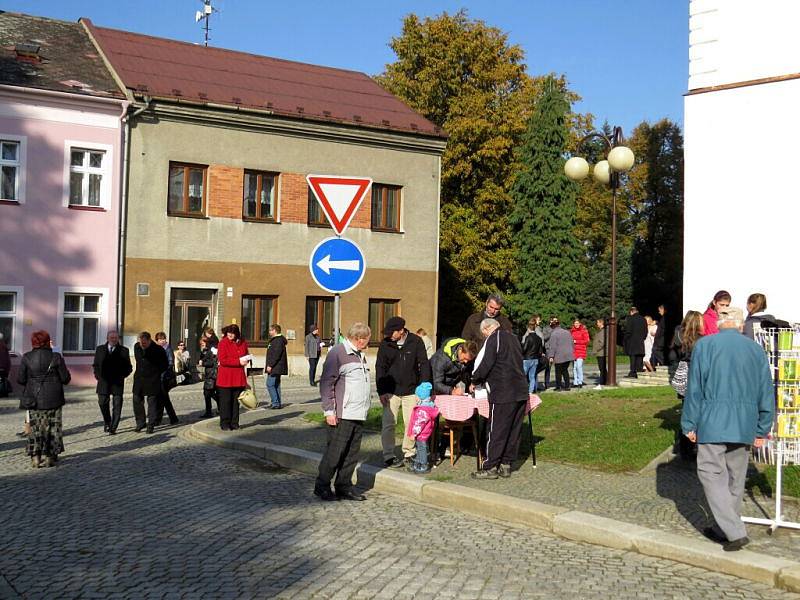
(248, 397)
(680, 378)
(29, 403)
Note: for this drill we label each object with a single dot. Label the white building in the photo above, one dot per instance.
(742, 132)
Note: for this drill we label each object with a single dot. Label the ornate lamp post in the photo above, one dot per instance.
(620, 160)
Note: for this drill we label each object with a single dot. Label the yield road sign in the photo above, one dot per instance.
(339, 197)
(337, 265)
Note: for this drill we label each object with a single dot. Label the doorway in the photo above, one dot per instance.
(190, 311)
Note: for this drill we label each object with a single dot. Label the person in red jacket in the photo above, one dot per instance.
(722, 299)
(580, 335)
(232, 356)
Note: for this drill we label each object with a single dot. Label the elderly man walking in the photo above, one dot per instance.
(729, 405)
(344, 388)
(499, 366)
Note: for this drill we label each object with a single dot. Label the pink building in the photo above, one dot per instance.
(61, 164)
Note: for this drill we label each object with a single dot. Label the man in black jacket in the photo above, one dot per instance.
(500, 368)
(151, 362)
(401, 365)
(276, 365)
(635, 334)
(112, 364)
(451, 366)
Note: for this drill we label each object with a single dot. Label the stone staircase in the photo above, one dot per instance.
(660, 377)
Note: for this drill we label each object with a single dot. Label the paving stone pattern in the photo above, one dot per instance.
(161, 516)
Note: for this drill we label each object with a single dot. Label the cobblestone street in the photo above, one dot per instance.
(161, 516)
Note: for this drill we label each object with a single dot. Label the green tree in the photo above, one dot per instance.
(464, 76)
(657, 181)
(549, 273)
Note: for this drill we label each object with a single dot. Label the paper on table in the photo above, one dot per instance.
(480, 394)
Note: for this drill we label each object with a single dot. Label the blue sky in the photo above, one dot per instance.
(628, 59)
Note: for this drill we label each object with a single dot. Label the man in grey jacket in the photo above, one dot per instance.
(560, 352)
(311, 350)
(345, 392)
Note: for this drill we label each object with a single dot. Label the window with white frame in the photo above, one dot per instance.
(9, 315)
(86, 171)
(11, 165)
(81, 321)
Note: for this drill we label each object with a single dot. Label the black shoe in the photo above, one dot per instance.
(225, 427)
(234, 426)
(393, 463)
(351, 495)
(734, 545)
(174, 421)
(711, 534)
(207, 415)
(504, 471)
(105, 428)
(273, 407)
(150, 429)
(325, 495)
(139, 428)
(484, 474)
(157, 422)
(112, 432)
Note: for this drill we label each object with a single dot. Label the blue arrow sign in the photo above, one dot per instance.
(337, 265)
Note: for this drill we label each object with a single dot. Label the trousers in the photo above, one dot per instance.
(274, 389)
(562, 375)
(637, 363)
(601, 364)
(578, 371)
(721, 469)
(407, 403)
(530, 368)
(312, 370)
(340, 457)
(111, 416)
(229, 406)
(138, 410)
(505, 430)
(163, 402)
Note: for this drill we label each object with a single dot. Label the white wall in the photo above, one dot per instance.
(731, 41)
(742, 204)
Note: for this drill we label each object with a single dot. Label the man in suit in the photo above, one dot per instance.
(151, 362)
(635, 334)
(112, 364)
(499, 367)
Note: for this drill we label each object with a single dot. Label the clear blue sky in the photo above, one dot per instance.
(627, 59)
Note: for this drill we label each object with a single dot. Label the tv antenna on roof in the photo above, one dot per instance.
(205, 15)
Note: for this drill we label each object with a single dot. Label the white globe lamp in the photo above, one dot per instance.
(602, 172)
(576, 168)
(621, 159)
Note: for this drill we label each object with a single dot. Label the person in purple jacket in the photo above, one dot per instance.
(345, 393)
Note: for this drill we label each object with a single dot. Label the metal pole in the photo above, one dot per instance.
(611, 347)
(336, 319)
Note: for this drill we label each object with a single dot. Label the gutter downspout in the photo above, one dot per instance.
(123, 210)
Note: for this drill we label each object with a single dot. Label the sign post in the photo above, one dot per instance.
(337, 265)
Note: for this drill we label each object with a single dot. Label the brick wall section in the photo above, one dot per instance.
(226, 188)
(225, 191)
(293, 198)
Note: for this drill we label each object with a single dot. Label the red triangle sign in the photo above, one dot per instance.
(339, 197)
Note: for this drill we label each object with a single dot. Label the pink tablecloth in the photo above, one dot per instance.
(461, 408)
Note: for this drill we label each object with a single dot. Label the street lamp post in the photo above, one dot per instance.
(620, 160)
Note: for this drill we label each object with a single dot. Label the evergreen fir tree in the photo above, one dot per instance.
(548, 277)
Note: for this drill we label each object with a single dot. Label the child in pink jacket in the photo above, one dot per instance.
(421, 426)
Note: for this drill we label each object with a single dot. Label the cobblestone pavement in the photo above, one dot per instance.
(669, 498)
(160, 516)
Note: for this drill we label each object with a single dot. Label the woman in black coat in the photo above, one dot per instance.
(43, 374)
(151, 363)
(208, 360)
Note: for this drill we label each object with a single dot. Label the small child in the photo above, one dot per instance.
(421, 425)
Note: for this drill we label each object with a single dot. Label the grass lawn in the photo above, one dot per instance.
(374, 419)
(765, 480)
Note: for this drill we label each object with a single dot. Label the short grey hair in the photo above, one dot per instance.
(359, 331)
(731, 314)
(497, 298)
(487, 323)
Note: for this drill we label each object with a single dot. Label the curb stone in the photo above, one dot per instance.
(569, 524)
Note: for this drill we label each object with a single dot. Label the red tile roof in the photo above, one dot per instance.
(188, 72)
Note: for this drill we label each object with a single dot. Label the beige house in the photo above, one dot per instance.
(220, 222)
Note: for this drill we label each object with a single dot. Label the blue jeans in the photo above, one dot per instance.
(529, 366)
(578, 372)
(421, 459)
(274, 389)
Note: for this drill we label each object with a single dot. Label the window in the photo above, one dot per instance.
(385, 207)
(10, 317)
(258, 313)
(81, 322)
(315, 214)
(381, 311)
(259, 196)
(319, 311)
(9, 169)
(86, 171)
(187, 184)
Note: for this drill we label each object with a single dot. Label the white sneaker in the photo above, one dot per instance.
(598, 387)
